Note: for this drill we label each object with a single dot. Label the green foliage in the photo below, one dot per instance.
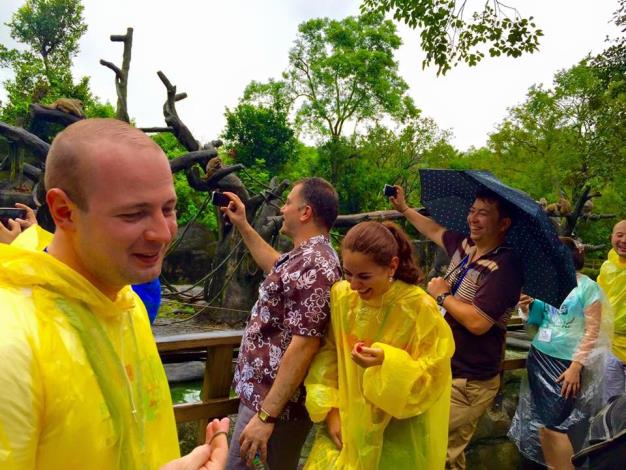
(259, 133)
(343, 71)
(189, 201)
(50, 29)
(449, 38)
(360, 167)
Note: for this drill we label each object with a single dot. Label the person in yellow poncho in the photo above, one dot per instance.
(612, 279)
(81, 382)
(382, 380)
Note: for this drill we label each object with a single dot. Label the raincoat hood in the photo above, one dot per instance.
(81, 381)
(24, 263)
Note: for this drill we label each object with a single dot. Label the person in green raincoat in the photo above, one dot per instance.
(382, 380)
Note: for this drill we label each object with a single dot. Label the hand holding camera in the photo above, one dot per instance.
(231, 206)
(396, 197)
(15, 219)
(390, 191)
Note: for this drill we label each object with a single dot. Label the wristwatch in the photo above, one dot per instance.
(441, 297)
(265, 417)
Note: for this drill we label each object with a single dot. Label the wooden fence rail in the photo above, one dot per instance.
(219, 348)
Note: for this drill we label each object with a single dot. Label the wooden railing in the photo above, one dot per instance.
(217, 349)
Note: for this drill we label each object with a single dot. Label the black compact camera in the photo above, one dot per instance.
(219, 199)
(7, 213)
(390, 191)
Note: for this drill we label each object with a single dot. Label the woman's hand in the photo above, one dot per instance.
(333, 424)
(524, 303)
(570, 380)
(367, 357)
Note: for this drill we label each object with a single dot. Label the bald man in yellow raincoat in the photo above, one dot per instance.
(81, 382)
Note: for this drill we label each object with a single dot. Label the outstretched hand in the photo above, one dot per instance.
(212, 455)
(399, 200)
(235, 210)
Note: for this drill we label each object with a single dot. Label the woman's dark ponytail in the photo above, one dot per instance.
(407, 271)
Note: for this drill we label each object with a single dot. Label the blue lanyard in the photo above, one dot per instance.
(465, 266)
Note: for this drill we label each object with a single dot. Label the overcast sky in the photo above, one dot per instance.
(212, 50)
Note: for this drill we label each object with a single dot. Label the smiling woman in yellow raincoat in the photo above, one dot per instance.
(382, 379)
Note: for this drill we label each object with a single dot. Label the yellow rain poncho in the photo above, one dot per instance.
(612, 279)
(81, 382)
(393, 416)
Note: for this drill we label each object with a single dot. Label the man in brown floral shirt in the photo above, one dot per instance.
(285, 326)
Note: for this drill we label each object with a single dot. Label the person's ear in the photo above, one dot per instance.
(505, 224)
(62, 209)
(393, 266)
(306, 214)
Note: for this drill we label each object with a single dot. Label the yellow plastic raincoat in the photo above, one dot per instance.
(81, 382)
(612, 279)
(393, 416)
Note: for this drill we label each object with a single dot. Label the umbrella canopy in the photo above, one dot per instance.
(549, 272)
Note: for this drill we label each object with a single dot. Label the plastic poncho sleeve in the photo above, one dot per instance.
(593, 321)
(321, 381)
(406, 385)
(22, 400)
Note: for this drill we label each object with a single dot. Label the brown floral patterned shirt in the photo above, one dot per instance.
(294, 299)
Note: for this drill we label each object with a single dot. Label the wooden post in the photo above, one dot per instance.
(218, 377)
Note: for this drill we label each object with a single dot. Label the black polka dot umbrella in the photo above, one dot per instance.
(549, 272)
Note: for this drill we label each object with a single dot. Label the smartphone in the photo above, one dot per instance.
(7, 213)
(390, 191)
(218, 199)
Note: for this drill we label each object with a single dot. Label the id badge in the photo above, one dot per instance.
(544, 335)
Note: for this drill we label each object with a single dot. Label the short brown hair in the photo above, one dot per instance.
(322, 197)
(381, 242)
(68, 158)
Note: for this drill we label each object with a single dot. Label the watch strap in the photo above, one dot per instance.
(441, 298)
(265, 417)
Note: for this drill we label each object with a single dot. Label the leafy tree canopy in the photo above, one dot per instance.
(344, 71)
(258, 128)
(448, 37)
(50, 30)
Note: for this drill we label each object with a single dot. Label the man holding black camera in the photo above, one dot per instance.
(285, 326)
